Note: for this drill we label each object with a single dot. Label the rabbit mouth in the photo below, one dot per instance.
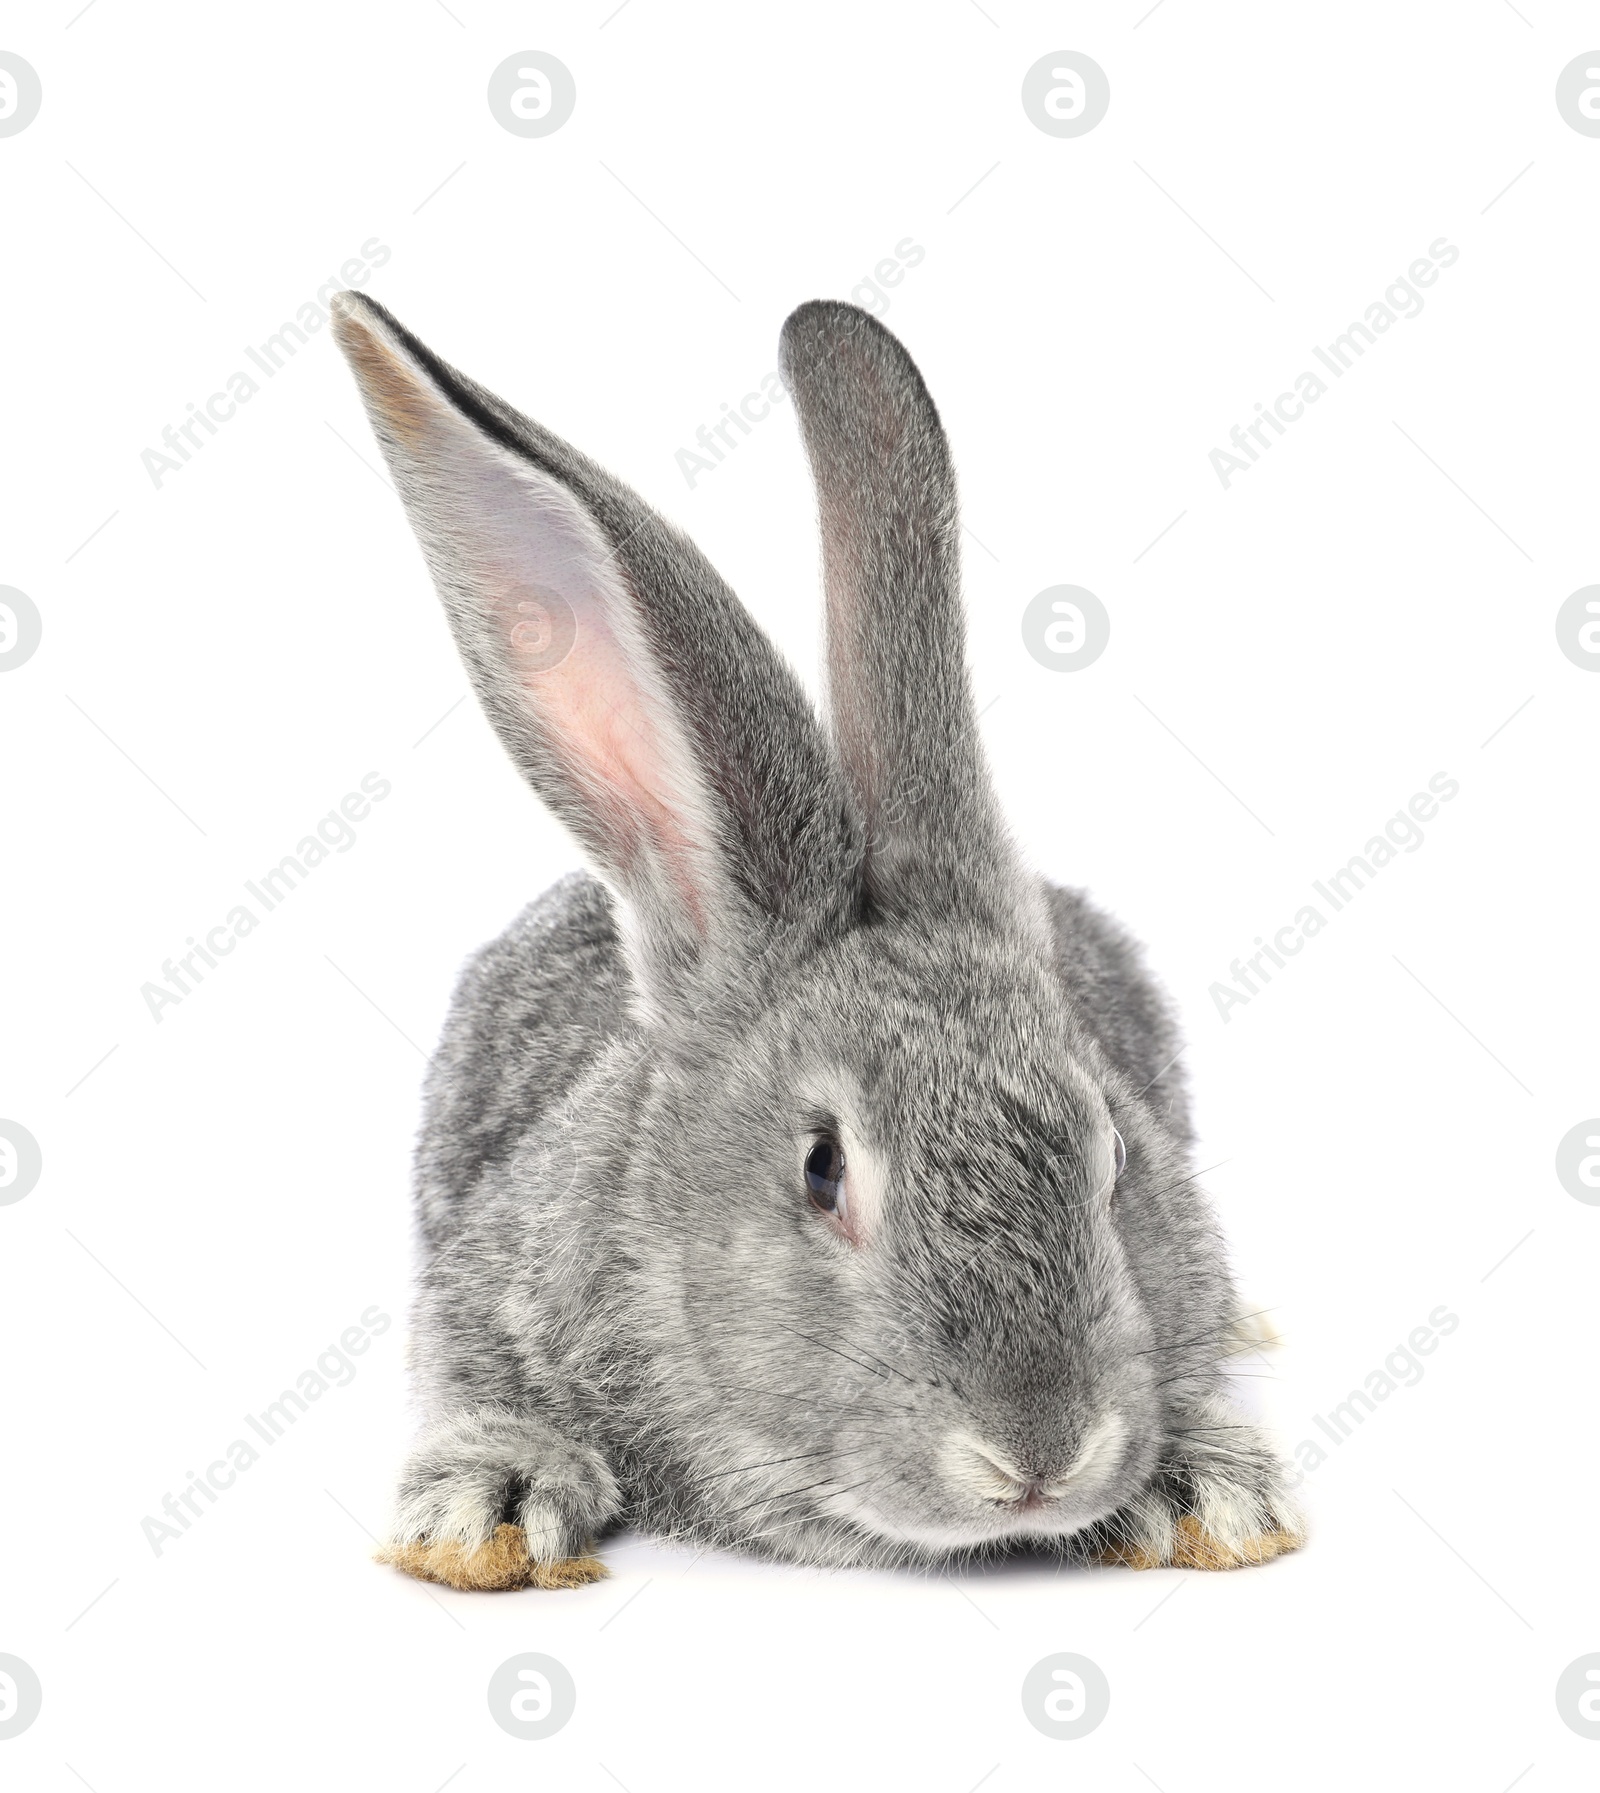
(1012, 1488)
(979, 1494)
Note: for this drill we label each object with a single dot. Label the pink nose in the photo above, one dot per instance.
(984, 1471)
(1030, 1494)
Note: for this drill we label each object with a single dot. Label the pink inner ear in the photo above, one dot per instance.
(598, 713)
(516, 546)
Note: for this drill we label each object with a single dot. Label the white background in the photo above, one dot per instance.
(233, 650)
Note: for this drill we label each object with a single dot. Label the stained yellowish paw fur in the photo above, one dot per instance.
(1193, 1547)
(501, 1564)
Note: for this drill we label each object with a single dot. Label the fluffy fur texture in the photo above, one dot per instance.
(505, 1561)
(629, 1311)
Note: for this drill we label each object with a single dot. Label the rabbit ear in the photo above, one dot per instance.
(902, 709)
(625, 680)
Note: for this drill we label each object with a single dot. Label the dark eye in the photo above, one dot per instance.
(825, 1176)
(1120, 1151)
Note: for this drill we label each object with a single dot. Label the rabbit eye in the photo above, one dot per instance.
(825, 1176)
(1119, 1151)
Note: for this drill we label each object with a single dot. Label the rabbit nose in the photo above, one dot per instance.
(1037, 1491)
(980, 1468)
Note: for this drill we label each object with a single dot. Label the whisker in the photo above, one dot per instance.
(767, 1500)
(1168, 1189)
(1189, 1375)
(1218, 1333)
(1219, 1425)
(790, 1394)
(857, 1345)
(823, 1346)
(804, 1518)
(774, 1462)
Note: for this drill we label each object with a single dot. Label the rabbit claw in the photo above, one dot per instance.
(1217, 1506)
(500, 1563)
(1193, 1547)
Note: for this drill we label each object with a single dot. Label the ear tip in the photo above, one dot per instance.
(815, 330)
(830, 311)
(357, 316)
(351, 317)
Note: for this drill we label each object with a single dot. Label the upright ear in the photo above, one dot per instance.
(628, 684)
(902, 709)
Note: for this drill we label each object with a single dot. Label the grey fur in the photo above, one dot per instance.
(628, 1311)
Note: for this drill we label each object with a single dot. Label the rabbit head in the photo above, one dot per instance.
(881, 1209)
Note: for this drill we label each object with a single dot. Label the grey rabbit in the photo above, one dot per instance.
(816, 1181)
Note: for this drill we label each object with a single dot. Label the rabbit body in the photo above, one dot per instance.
(817, 1184)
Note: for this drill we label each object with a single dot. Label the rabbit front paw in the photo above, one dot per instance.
(1221, 1504)
(492, 1500)
(500, 1564)
(1177, 1540)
